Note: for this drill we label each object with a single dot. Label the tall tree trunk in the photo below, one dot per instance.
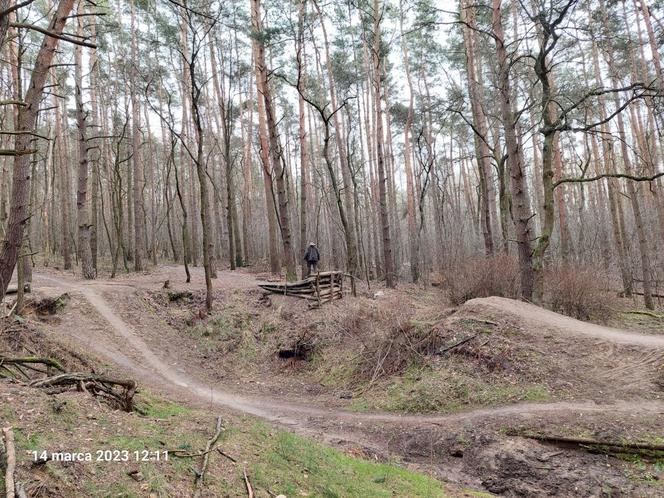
(258, 49)
(139, 210)
(414, 242)
(27, 119)
(82, 214)
(276, 153)
(247, 176)
(520, 202)
(377, 60)
(341, 146)
(304, 147)
(480, 127)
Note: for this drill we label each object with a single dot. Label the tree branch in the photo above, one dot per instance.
(609, 175)
(51, 34)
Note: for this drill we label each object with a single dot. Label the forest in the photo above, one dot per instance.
(404, 138)
(473, 171)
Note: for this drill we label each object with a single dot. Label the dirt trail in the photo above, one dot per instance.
(539, 318)
(136, 356)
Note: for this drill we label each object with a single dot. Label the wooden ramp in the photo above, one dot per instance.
(318, 288)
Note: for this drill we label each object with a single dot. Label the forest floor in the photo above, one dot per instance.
(452, 392)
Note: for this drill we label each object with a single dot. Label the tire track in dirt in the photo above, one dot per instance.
(300, 416)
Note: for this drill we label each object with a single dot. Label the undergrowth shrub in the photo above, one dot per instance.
(483, 277)
(578, 291)
(387, 339)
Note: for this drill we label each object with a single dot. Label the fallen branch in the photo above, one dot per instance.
(250, 490)
(637, 293)
(29, 360)
(10, 451)
(19, 364)
(646, 313)
(200, 475)
(608, 446)
(183, 454)
(457, 344)
(95, 384)
(226, 455)
(9, 313)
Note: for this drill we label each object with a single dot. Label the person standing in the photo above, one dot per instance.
(312, 256)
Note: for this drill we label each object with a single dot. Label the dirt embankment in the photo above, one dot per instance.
(600, 373)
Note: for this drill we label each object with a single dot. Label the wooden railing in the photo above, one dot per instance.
(318, 288)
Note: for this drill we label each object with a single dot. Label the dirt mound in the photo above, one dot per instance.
(21, 338)
(603, 363)
(539, 319)
(519, 467)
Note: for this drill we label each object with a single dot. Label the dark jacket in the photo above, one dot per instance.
(312, 255)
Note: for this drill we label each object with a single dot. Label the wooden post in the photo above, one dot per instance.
(318, 289)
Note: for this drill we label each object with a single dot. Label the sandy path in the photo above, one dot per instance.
(134, 354)
(539, 318)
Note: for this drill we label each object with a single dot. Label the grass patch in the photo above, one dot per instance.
(446, 390)
(292, 465)
(151, 406)
(277, 461)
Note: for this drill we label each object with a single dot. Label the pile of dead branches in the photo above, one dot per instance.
(48, 374)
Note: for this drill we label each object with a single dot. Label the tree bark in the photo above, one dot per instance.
(27, 119)
(276, 153)
(258, 50)
(479, 120)
(520, 203)
(82, 214)
(377, 60)
(138, 180)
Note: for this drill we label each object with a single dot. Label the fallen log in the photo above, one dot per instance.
(30, 360)
(636, 293)
(10, 451)
(644, 449)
